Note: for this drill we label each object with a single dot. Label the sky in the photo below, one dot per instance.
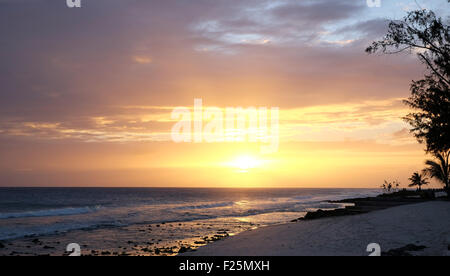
(86, 94)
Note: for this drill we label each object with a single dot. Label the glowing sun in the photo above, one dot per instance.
(244, 163)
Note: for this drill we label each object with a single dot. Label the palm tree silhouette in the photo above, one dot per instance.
(418, 180)
(439, 169)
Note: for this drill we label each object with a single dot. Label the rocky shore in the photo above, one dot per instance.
(162, 239)
(365, 205)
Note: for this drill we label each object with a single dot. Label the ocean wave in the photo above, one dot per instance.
(262, 209)
(205, 206)
(50, 212)
(57, 228)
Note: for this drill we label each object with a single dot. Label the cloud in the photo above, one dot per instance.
(313, 12)
(88, 92)
(369, 120)
(280, 22)
(68, 67)
(142, 59)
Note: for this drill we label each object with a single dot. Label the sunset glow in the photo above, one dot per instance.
(244, 163)
(83, 109)
(209, 128)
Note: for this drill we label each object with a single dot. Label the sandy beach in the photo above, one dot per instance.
(422, 224)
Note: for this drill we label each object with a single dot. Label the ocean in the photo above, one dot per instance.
(47, 211)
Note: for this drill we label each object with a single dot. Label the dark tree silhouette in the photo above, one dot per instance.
(440, 169)
(428, 36)
(389, 187)
(418, 180)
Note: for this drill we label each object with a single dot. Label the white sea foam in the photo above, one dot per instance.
(49, 213)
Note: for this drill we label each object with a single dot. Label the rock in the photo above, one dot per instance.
(184, 249)
(167, 250)
(35, 241)
(2, 245)
(404, 251)
(325, 214)
(412, 247)
(199, 242)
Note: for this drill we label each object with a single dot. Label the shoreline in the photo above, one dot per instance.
(369, 220)
(369, 204)
(146, 239)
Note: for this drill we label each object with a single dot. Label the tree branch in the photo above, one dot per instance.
(434, 70)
